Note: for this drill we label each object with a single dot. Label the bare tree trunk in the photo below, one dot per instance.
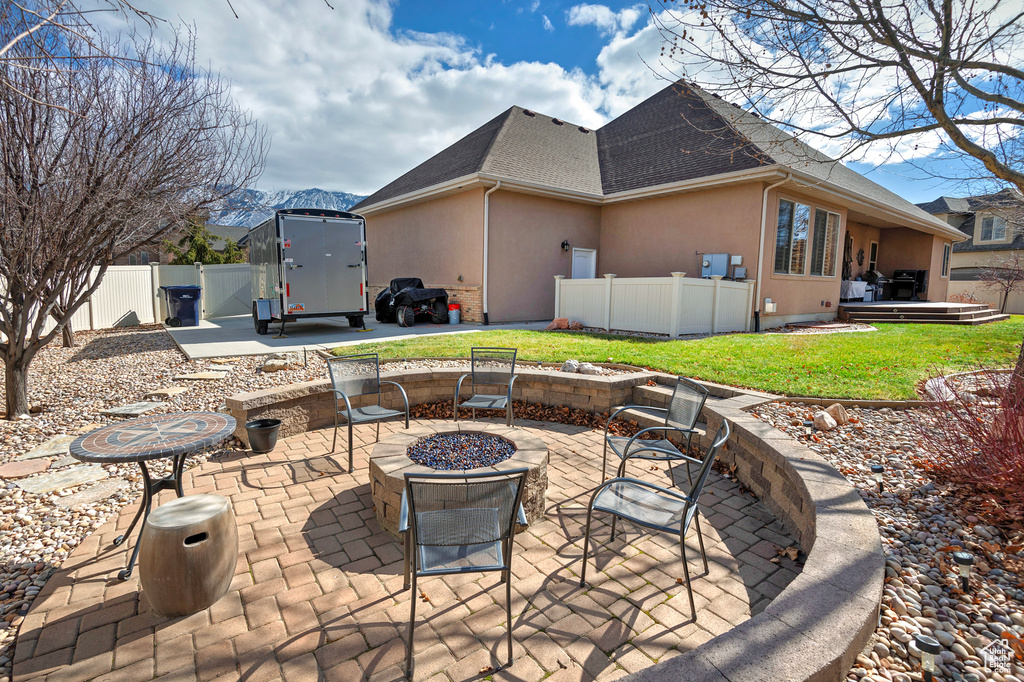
(67, 336)
(16, 382)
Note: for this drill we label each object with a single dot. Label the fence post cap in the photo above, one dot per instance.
(559, 276)
(716, 277)
(679, 274)
(609, 276)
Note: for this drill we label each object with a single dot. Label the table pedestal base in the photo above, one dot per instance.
(149, 488)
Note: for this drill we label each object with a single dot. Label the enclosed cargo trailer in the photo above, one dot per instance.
(308, 263)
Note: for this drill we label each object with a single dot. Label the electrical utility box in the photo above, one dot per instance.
(308, 263)
(714, 264)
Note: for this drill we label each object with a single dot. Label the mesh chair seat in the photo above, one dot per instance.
(646, 506)
(486, 402)
(371, 413)
(668, 449)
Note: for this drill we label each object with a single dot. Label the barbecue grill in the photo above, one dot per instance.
(909, 285)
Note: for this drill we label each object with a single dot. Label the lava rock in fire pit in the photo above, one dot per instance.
(447, 451)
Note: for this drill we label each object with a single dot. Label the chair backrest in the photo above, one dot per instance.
(455, 510)
(686, 404)
(355, 374)
(493, 366)
(705, 471)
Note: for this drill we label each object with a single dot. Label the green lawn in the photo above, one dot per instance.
(886, 364)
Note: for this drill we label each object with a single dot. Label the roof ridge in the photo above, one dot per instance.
(701, 92)
(502, 129)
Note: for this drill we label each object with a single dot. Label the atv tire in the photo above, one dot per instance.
(407, 316)
(439, 313)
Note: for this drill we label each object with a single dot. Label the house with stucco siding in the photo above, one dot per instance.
(683, 174)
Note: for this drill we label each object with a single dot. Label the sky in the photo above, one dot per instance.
(357, 95)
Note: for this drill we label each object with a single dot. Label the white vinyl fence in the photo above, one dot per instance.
(673, 305)
(131, 294)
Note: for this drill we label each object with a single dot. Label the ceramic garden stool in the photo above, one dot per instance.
(188, 552)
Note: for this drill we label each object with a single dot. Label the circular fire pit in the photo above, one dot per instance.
(465, 446)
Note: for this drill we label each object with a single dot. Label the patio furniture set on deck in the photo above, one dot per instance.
(458, 522)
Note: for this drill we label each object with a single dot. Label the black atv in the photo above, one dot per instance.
(406, 298)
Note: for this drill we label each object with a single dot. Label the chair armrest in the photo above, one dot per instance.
(510, 382)
(405, 398)
(348, 405)
(521, 515)
(403, 514)
(458, 385)
(630, 407)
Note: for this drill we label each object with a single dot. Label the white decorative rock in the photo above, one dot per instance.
(823, 421)
(571, 365)
(587, 368)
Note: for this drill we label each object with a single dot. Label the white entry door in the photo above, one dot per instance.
(584, 263)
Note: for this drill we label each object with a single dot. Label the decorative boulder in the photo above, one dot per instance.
(576, 326)
(558, 323)
(571, 365)
(587, 368)
(838, 412)
(823, 421)
(276, 365)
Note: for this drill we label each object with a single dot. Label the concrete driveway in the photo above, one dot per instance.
(233, 336)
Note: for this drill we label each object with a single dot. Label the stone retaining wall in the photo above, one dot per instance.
(814, 629)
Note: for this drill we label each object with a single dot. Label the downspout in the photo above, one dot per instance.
(760, 249)
(487, 214)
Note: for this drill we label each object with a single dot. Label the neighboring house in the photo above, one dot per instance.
(679, 177)
(993, 225)
(154, 252)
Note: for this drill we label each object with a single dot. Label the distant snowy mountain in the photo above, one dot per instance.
(252, 206)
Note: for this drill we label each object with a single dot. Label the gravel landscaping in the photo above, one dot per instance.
(921, 524)
(920, 520)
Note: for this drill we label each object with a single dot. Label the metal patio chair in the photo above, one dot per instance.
(681, 417)
(657, 508)
(489, 367)
(355, 375)
(460, 523)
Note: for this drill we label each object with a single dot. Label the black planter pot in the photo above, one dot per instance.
(262, 434)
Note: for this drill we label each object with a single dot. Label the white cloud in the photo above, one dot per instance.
(604, 18)
(535, 5)
(547, 23)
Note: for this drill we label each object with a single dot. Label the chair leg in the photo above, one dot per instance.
(586, 545)
(604, 459)
(334, 443)
(378, 432)
(412, 625)
(686, 572)
(700, 539)
(689, 476)
(350, 467)
(508, 617)
(406, 550)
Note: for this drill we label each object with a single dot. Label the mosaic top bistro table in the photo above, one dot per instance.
(148, 438)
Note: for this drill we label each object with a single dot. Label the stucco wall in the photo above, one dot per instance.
(436, 240)
(526, 233)
(653, 237)
(904, 249)
(799, 294)
(862, 235)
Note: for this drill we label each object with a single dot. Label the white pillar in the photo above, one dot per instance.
(608, 302)
(154, 283)
(714, 303)
(750, 301)
(200, 284)
(677, 301)
(558, 295)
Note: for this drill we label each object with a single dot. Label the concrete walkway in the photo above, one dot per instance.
(233, 336)
(317, 592)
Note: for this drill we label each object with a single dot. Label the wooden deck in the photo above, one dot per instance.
(921, 312)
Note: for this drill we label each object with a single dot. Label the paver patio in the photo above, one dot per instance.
(318, 594)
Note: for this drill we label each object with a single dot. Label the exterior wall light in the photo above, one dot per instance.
(565, 245)
(929, 648)
(964, 561)
(878, 470)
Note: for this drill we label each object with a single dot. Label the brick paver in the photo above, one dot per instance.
(318, 594)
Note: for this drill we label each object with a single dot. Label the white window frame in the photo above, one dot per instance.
(792, 225)
(995, 220)
(873, 263)
(947, 254)
(143, 257)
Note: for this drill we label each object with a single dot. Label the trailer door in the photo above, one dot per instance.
(346, 270)
(303, 263)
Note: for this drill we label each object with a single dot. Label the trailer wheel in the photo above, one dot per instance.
(439, 313)
(355, 321)
(259, 325)
(407, 315)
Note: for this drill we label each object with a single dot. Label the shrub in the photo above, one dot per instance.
(975, 439)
